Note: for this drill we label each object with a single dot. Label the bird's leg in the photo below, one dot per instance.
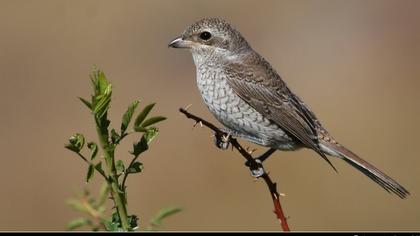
(257, 169)
(266, 155)
(222, 141)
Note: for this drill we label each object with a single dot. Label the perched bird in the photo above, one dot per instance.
(248, 96)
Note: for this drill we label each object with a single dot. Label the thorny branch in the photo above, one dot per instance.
(252, 163)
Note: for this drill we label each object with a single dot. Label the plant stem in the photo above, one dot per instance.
(113, 179)
(126, 173)
(119, 203)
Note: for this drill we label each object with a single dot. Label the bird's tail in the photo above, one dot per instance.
(366, 168)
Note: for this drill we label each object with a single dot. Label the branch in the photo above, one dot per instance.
(126, 173)
(251, 163)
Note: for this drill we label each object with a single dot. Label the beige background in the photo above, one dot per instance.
(356, 63)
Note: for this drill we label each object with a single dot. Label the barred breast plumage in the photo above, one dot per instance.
(237, 115)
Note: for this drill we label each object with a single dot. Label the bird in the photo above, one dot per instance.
(247, 95)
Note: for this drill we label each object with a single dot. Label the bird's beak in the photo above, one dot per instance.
(180, 43)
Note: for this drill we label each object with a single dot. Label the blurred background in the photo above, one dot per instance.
(355, 63)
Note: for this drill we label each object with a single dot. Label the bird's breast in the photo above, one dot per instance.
(233, 112)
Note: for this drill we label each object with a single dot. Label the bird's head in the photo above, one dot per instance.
(211, 40)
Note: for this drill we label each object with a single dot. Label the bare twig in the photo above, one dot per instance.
(251, 163)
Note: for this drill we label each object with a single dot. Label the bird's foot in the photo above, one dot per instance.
(222, 141)
(256, 167)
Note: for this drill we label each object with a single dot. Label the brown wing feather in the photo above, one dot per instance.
(262, 88)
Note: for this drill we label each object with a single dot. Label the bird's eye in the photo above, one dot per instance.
(205, 35)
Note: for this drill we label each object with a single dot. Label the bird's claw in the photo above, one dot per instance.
(222, 141)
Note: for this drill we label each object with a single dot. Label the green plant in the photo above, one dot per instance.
(113, 170)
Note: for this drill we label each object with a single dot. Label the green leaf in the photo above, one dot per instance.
(115, 217)
(91, 170)
(142, 145)
(76, 143)
(133, 222)
(163, 214)
(127, 116)
(77, 223)
(102, 82)
(98, 167)
(150, 134)
(114, 223)
(111, 226)
(102, 94)
(120, 166)
(88, 104)
(94, 147)
(136, 167)
(152, 121)
(140, 118)
(140, 129)
(139, 147)
(103, 124)
(115, 137)
(101, 107)
(99, 81)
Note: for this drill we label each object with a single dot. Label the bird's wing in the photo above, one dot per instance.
(262, 88)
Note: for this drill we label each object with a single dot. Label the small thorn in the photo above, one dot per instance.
(252, 151)
(282, 194)
(187, 107)
(201, 124)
